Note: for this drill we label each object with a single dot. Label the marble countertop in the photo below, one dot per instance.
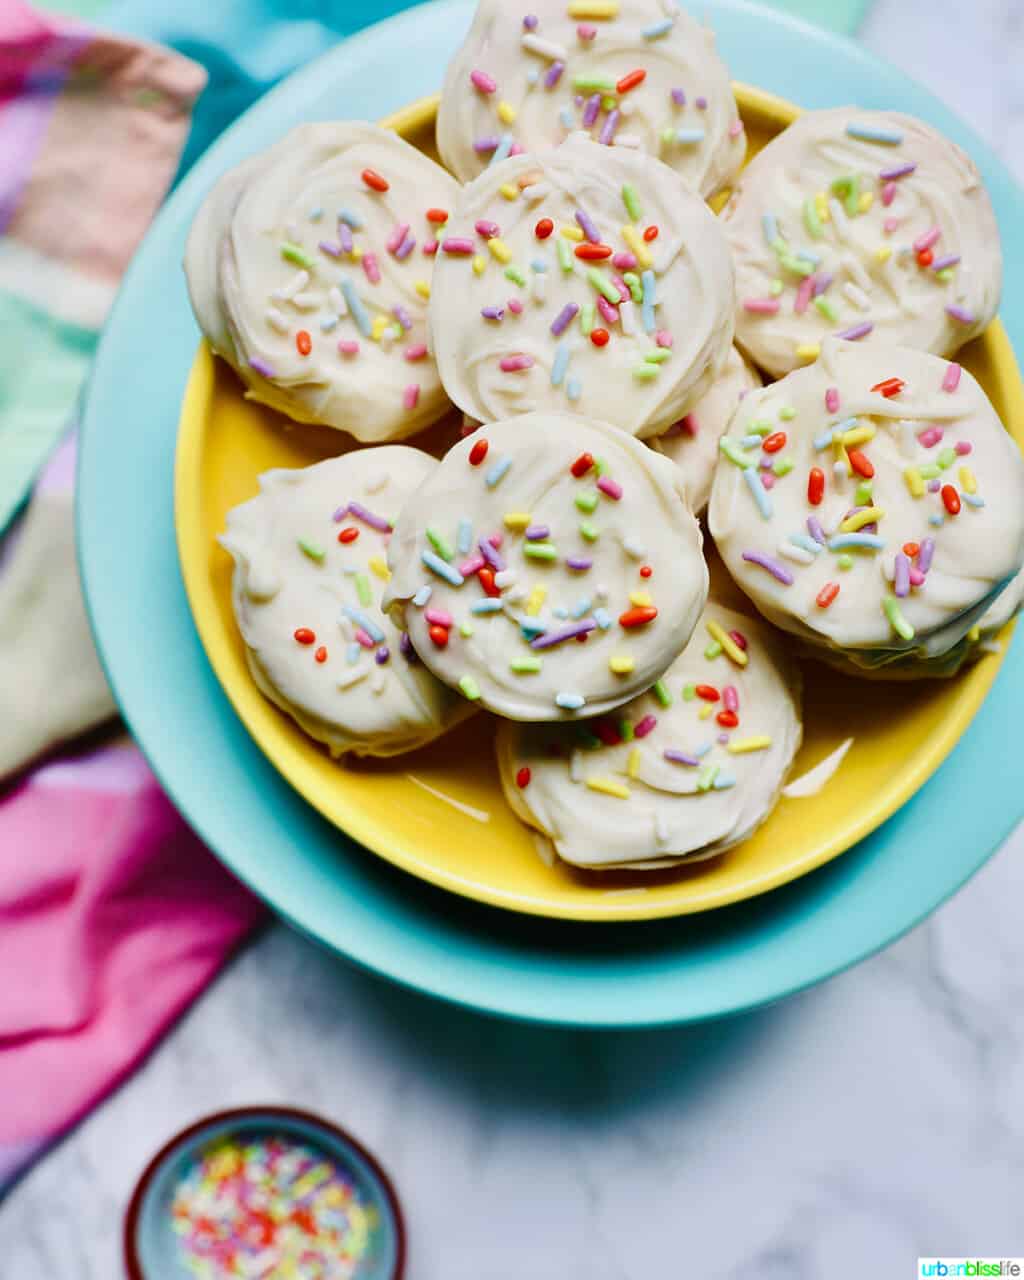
(841, 1133)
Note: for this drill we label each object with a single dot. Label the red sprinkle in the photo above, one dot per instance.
(478, 453)
(608, 733)
(861, 463)
(437, 215)
(599, 337)
(582, 465)
(638, 617)
(321, 654)
(815, 486)
(373, 179)
(889, 387)
(645, 571)
(305, 636)
(304, 342)
(543, 228)
(523, 777)
(650, 233)
(951, 499)
(708, 692)
(827, 594)
(911, 549)
(728, 719)
(774, 442)
(439, 635)
(630, 80)
(593, 252)
(925, 257)
(348, 534)
(739, 638)
(486, 575)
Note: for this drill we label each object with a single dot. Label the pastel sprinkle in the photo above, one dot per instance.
(778, 571)
(897, 621)
(874, 133)
(443, 570)
(569, 701)
(609, 787)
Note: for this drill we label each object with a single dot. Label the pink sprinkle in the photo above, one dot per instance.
(515, 364)
(916, 577)
(457, 244)
(767, 480)
(515, 306)
(394, 242)
(963, 448)
(586, 31)
(611, 488)
(731, 698)
(609, 314)
(689, 424)
(516, 149)
(489, 230)
(439, 617)
(416, 352)
(803, 295)
(890, 225)
(622, 287)
(930, 437)
(740, 639)
(348, 347)
(624, 261)
(430, 247)
(644, 726)
(952, 379)
(364, 639)
(371, 268)
(664, 339)
(832, 400)
(482, 81)
(411, 395)
(495, 540)
(888, 193)
(761, 306)
(470, 566)
(736, 128)
(926, 239)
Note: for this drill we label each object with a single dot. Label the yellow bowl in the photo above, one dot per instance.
(439, 812)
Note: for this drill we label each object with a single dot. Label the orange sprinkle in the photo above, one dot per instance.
(439, 635)
(630, 80)
(304, 342)
(728, 719)
(437, 215)
(478, 453)
(486, 575)
(523, 777)
(925, 257)
(593, 252)
(373, 180)
(321, 654)
(599, 337)
(951, 499)
(708, 692)
(650, 233)
(774, 442)
(348, 534)
(911, 549)
(827, 594)
(638, 617)
(305, 636)
(861, 463)
(645, 571)
(543, 228)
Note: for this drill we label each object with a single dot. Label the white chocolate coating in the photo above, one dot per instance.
(571, 556)
(966, 558)
(688, 291)
(541, 75)
(348, 700)
(659, 810)
(692, 444)
(863, 266)
(306, 198)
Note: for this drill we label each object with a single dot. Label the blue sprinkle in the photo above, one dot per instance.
(806, 541)
(723, 782)
(350, 219)
(689, 137)
(496, 472)
(760, 493)
(841, 540)
(936, 520)
(874, 133)
(973, 499)
(355, 305)
(565, 118)
(770, 227)
(362, 620)
(487, 605)
(702, 751)
(808, 255)
(581, 607)
(560, 613)
(657, 29)
(328, 322)
(316, 214)
(539, 265)
(647, 309)
(423, 595)
(501, 151)
(533, 75)
(569, 701)
(352, 653)
(751, 441)
(442, 568)
(602, 618)
(531, 627)
(560, 364)
(574, 388)
(824, 440)
(464, 537)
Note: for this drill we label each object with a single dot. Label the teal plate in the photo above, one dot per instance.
(581, 974)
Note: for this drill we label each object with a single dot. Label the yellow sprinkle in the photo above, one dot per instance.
(729, 645)
(870, 515)
(705, 711)
(808, 351)
(570, 233)
(609, 787)
(883, 253)
(380, 323)
(967, 480)
(821, 204)
(750, 744)
(839, 454)
(867, 199)
(356, 255)
(529, 179)
(642, 599)
(621, 664)
(633, 763)
(479, 262)
(506, 112)
(536, 599)
(499, 249)
(517, 520)
(915, 482)
(858, 435)
(601, 9)
(422, 287)
(509, 190)
(637, 245)
(974, 634)
(379, 566)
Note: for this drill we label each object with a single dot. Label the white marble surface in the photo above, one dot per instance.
(840, 1134)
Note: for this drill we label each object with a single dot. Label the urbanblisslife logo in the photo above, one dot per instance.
(970, 1266)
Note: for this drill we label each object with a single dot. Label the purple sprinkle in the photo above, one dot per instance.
(679, 97)
(260, 366)
(340, 514)
(778, 571)
(530, 22)
(723, 738)
(345, 237)
(591, 109)
(858, 331)
(553, 74)
(702, 104)
(821, 282)
(489, 143)
(537, 532)
(330, 247)
(897, 171)
(679, 757)
(961, 314)
(405, 644)
(934, 486)
(580, 563)
(492, 313)
(950, 260)
(402, 316)
(765, 462)
(490, 555)
(562, 321)
(406, 247)
(924, 557)
(382, 655)
(901, 582)
(608, 128)
(815, 529)
(368, 517)
(566, 633)
(644, 726)
(588, 226)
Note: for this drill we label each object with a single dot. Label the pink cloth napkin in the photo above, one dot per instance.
(113, 916)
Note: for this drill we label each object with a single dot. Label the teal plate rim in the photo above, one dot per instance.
(579, 974)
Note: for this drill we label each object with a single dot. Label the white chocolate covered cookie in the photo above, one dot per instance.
(309, 271)
(692, 444)
(682, 772)
(549, 568)
(633, 73)
(872, 504)
(310, 569)
(863, 224)
(581, 279)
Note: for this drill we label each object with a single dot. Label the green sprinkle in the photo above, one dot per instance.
(588, 739)
(587, 319)
(588, 531)
(706, 779)
(540, 550)
(845, 561)
(897, 621)
(515, 275)
(440, 544)
(946, 458)
(586, 500)
(593, 84)
(603, 285)
(825, 308)
(811, 220)
(775, 287)
(292, 253)
(668, 136)
(600, 466)
(660, 691)
(466, 629)
(527, 666)
(632, 282)
(609, 103)
(689, 692)
(848, 189)
(862, 496)
(363, 589)
(658, 356)
(632, 203)
(713, 650)
(783, 467)
(645, 372)
(564, 254)
(760, 426)
(312, 550)
(945, 275)
(929, 471)
(470, 688)
(734, 453)
(626, 729)
(787, 413)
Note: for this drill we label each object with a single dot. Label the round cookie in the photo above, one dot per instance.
(310, 569)
(866, 225)
(692, 444)
(547, 295)
(682, 772)
(871, 504)
(309, 271)
(636, 73)
(549, 568)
